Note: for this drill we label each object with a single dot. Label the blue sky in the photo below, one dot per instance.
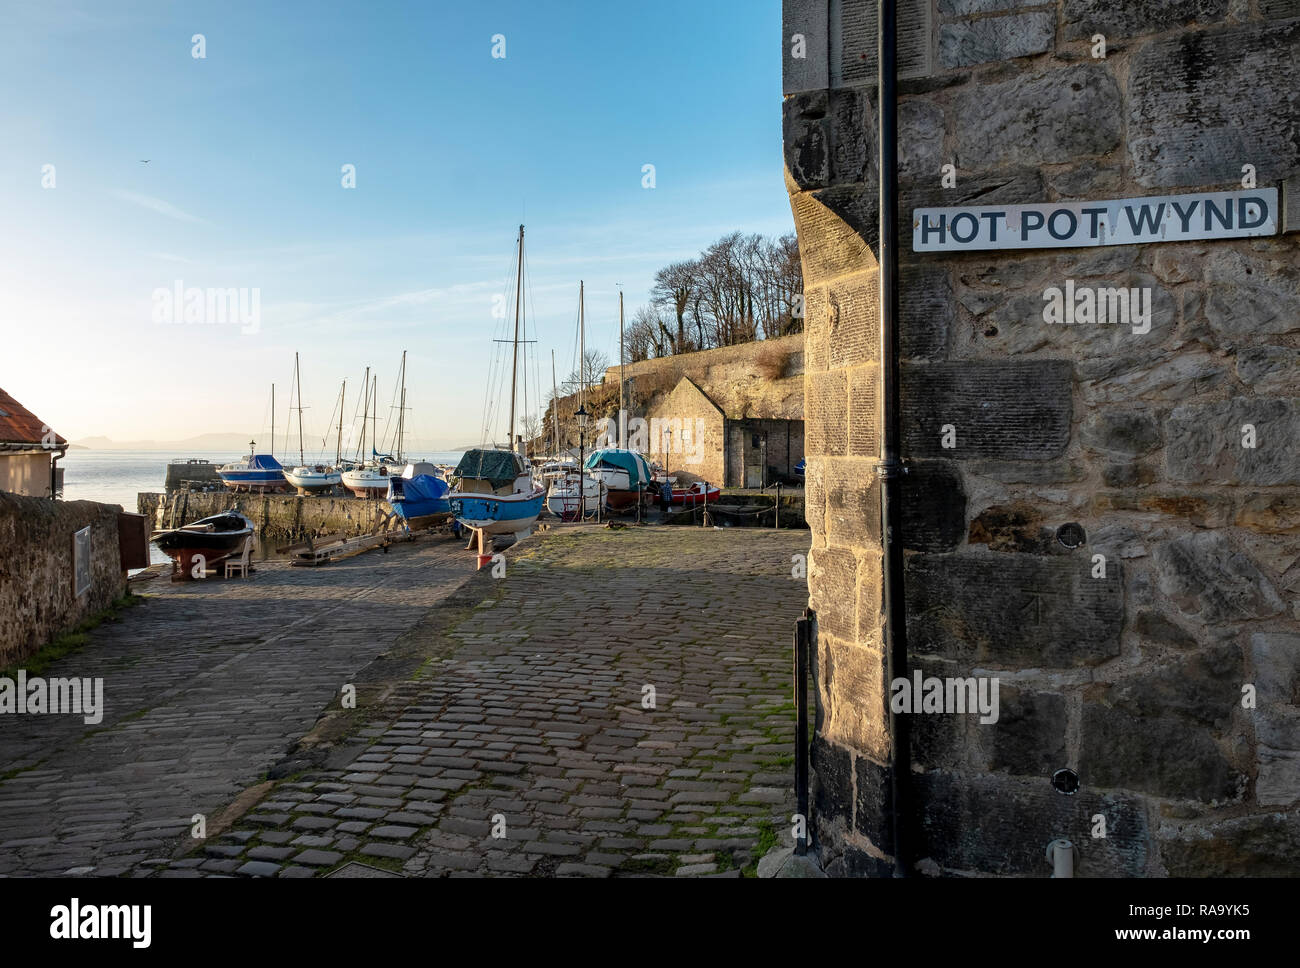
(453, 149)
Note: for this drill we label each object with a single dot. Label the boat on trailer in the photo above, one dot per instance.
(420, 500)
(495, 493)
(260, 473)
(624, 473)
(494, 489)
(209, 540)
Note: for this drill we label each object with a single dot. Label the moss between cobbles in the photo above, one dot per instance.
(72, 641)
(128, 718)
(767, 839)
(21, 769)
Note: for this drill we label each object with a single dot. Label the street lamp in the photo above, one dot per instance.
(582, 416)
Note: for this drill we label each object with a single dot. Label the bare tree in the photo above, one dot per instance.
(740, 288)
(673, 288)
(595, 363)
(646, 335)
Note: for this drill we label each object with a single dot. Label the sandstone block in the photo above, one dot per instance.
(1014, 611)
(1038, 119)
(1185, 124)
(1260, 846)
(1083, 18)
(1165, 756)
(998, 409)
(1208, 443)
(1001, 825)
(1205, 577)
(995, 38)
(811, 72)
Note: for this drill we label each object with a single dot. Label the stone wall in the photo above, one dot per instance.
(759, 379)
(37, 597)
(281, 519)
(1068, 443)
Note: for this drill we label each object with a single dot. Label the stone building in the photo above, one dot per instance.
(731, 416)
(1105, 519)
(29, 451)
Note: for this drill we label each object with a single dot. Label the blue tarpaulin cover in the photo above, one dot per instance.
(423, 487)
(264, 462)
(638, 471)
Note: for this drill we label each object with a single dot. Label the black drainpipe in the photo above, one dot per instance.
(891, 466)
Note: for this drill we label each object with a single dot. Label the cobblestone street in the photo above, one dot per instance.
(205, 686)
(617, 704)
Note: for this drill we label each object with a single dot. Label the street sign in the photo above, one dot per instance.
(1117, 221)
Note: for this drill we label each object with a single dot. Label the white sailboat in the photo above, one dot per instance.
(311, 478)
(370, 480)
(562, 496)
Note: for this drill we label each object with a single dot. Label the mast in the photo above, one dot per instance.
(297, 376)
(401, 413)
(622, 409)
(365, 414)
(555, 407)
(514, 359)
(272, 419)
(338, 448)
(374, 415)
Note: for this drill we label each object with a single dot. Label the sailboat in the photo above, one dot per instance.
(494, 488)
(256, 472)
(370, 480)
(625, 473)
(308, 478)
(563, 498)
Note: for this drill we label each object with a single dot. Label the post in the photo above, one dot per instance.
(777, 523)
(891, 466)
(802, 630)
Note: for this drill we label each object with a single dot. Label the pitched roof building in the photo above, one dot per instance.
(29, 451)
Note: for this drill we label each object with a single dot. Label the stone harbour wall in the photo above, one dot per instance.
(1106, 521)
(281, 519)
(37, 595)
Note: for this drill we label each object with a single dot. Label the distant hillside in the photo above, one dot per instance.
(235, 444)
(203, 442)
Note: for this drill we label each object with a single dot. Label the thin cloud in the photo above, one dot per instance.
(159, 206)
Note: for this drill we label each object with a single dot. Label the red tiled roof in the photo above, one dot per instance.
(18, 425)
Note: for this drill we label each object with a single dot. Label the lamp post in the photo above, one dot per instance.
(582, 416)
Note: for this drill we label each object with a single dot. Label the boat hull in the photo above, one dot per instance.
(366, 484)
(691, 497)
(562, 498)
(254, 480)
(420, 500)
(621, 500)
(189, 549)
(497, 513)
(313, 480)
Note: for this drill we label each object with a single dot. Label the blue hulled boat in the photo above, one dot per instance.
(495, 493)
(256, 472)
(420, 500)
